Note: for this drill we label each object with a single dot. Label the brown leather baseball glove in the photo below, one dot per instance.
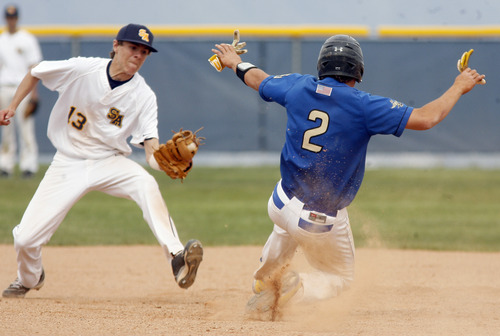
(175, 157)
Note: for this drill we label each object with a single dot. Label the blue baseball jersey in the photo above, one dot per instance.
(329, 125)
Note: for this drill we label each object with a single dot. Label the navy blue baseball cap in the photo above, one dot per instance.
(11, 11)
(136, 33)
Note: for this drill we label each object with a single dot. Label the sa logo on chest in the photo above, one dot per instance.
(115, 117)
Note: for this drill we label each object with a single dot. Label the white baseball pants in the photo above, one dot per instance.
(28, 147)
(326, 242)
(65, 182)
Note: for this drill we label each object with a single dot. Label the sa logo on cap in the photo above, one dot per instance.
(144, 35)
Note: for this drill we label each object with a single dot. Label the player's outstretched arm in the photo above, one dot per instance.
(27, 85)
(248, 73)
(433, 113)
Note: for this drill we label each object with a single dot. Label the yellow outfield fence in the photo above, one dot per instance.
(295, 31)
(438, 31)
(205, 30)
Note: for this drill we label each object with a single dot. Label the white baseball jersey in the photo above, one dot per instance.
(89, 119)
(18, 52)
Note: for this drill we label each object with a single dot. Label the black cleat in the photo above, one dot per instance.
(185, 264)
(17, 290)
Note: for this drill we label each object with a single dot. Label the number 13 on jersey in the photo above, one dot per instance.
(77, 120)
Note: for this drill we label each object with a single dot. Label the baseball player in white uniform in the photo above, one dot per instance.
(19, 51)
(102, 102)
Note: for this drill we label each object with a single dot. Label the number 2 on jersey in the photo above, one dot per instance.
(79, 119)
(312, 132)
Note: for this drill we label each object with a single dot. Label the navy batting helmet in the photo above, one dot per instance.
(341, 55)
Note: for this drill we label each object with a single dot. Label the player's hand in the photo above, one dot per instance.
(5, 116)
(227, 55)
(238, 46)
(463, 63)
(469, 78)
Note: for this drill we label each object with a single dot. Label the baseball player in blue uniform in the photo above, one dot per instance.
(329, 125)
(102, 103)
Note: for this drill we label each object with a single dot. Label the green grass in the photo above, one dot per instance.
(412, 209)
(431, 209)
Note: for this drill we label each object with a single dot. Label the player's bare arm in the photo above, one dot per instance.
(34, 99)
(150, 146)
(27, 85)
(228, 56)
(433, 113)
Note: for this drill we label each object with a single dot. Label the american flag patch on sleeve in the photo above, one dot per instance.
(324, 90)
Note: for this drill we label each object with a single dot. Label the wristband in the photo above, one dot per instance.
(242, 68)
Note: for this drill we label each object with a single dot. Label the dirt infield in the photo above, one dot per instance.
(130, 290)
